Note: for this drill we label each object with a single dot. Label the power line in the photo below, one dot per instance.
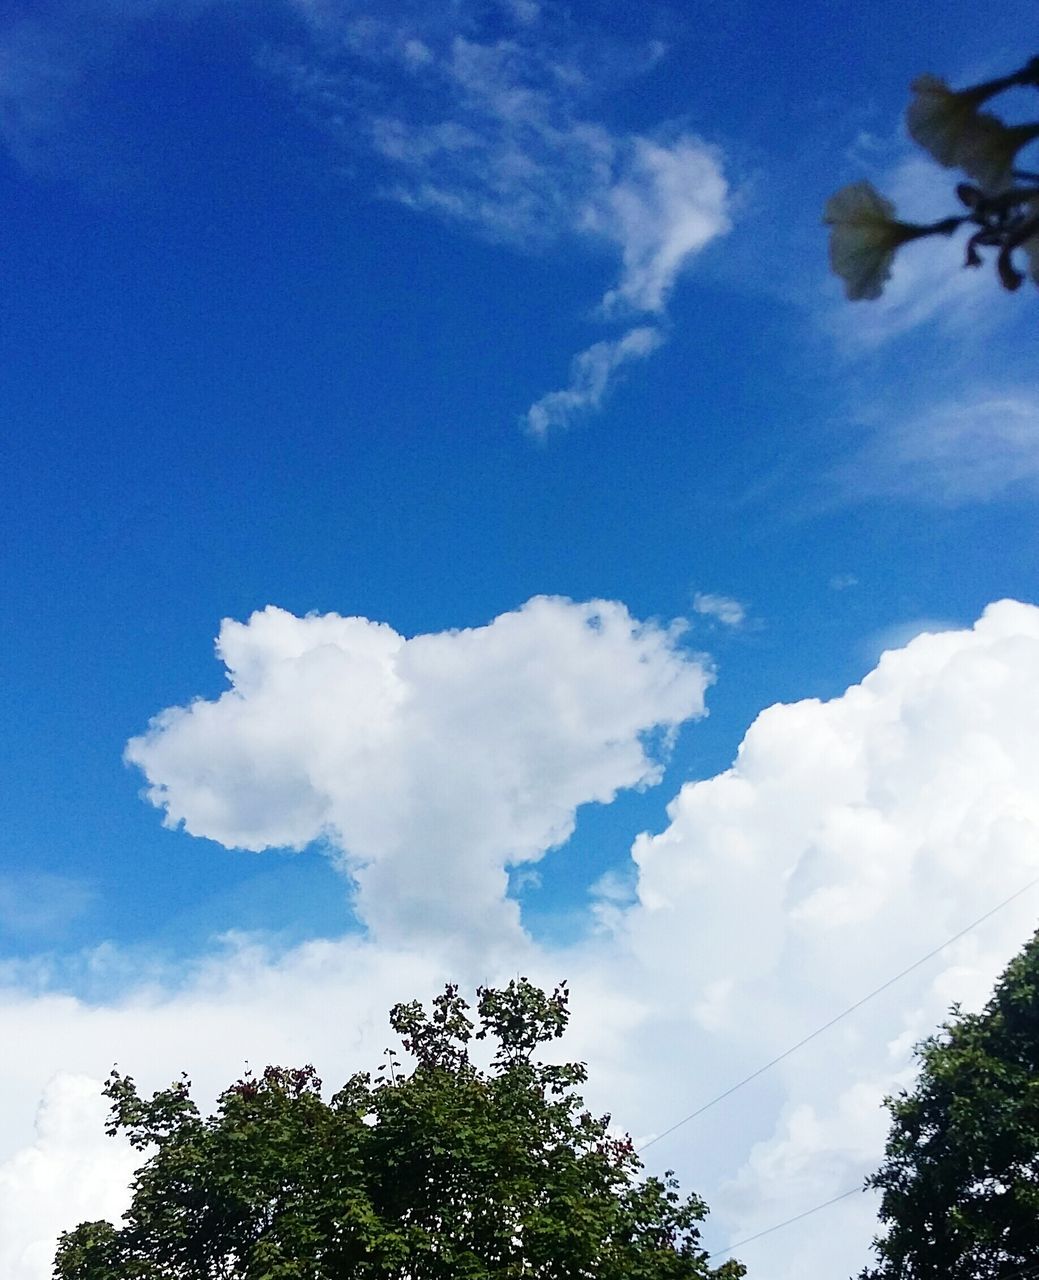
(779, 1225)
(1028, 1270)
(833, 1021)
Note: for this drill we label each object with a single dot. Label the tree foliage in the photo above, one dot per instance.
(960, 1179)
(438, 1170)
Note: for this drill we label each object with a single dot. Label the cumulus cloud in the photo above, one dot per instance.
(431, 763)
(848, 838)
(724, 608)
(70, 1172)
(591, 376)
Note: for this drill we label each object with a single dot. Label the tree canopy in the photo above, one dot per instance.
(437, 1170)
(960, 1179)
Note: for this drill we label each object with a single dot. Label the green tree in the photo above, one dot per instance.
(960, 1179)
(436, 1171)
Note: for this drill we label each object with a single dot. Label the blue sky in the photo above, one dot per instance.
(284, 285)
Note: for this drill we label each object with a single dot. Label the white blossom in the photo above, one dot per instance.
(864, 235)
(988, 148)
(938, 117)
(949, 126)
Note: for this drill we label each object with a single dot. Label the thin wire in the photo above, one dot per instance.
(1028, 1270)
(779, 1225)
(833, 1021)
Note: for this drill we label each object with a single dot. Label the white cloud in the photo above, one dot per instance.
(670, 203)
(482, 118)
(492, 125)
(848, 838)
(36, 80)
(591, 376)
(496, 133)
(69, 1173)
(976, 448)
(728, 611)
(38, 902)
(432, 763)
(896, 635)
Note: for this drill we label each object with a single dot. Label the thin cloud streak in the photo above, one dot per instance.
(509, 149)
(592, 374)
(980, 447)
(485, 122)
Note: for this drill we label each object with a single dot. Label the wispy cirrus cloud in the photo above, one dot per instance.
(39, 902)
(668, 203)
(499, 132)
(964, 426)
(490, 117)
(981, 446)
(55, 62)
(592, 373)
